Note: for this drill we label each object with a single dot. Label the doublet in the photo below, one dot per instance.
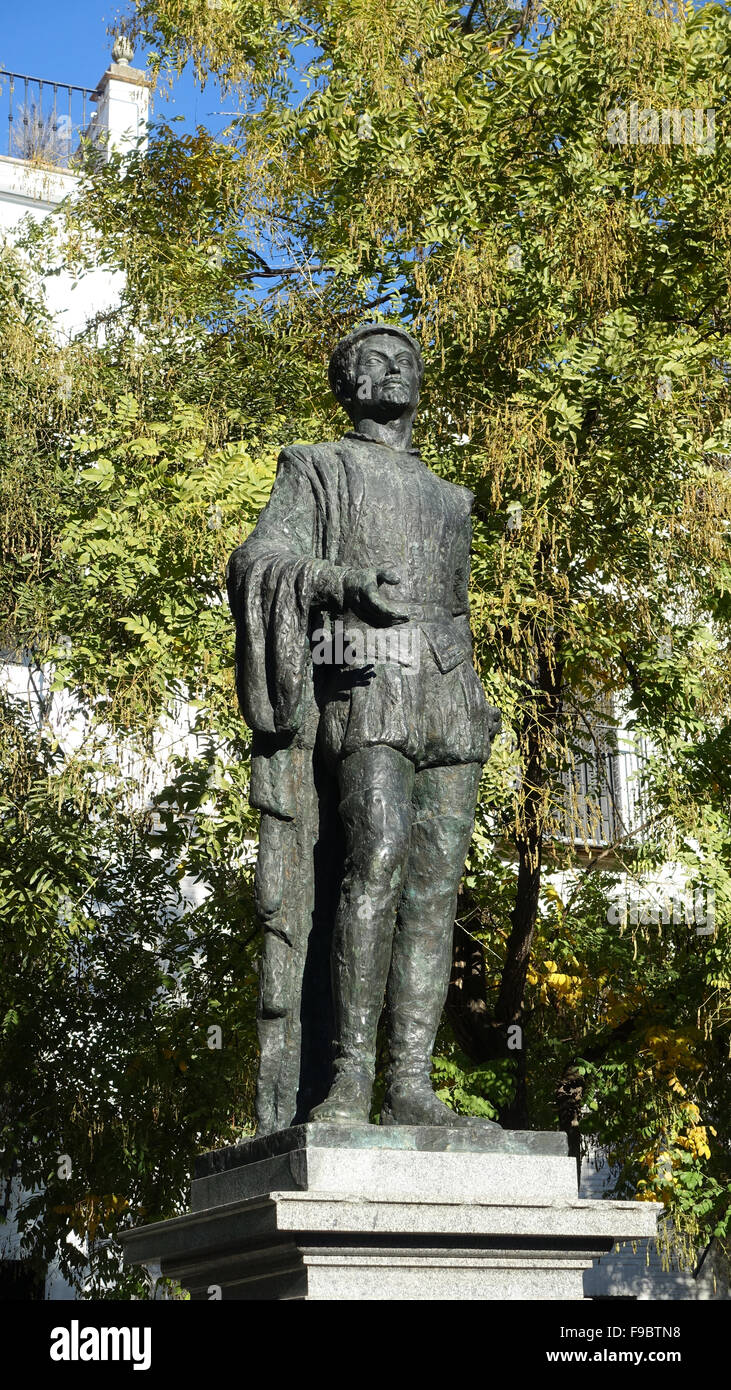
(355, 504)
(432, 709)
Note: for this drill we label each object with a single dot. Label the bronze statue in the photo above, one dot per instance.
(370, 726)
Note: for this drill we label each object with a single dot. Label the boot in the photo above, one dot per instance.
(410, 1100)
(417, 989)
(349, 1101)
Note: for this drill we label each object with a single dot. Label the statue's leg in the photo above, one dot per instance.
(375, 786)
(443, 817)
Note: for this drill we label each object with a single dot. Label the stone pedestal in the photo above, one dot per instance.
(339, 1212)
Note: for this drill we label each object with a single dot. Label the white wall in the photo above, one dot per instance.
(27, 190)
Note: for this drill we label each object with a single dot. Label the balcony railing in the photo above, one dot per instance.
(47, 122)
(604, 800)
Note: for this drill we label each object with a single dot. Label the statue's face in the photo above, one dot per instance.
(386, 379)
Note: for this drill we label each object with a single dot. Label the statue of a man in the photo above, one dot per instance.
(354, 670)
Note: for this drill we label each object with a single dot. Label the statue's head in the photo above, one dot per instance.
(375, 373)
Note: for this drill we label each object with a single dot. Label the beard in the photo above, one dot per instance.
(392, 393)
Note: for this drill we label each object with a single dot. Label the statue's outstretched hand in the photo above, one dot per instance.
(362, 594)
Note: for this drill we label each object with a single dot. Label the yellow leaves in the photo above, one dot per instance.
(559, 984)
(671, 1048)
(89, 1213)
(695, 1142)
(615, 1009)
(564, 983)
(556, 985)
(117, 1203)
(615, 1006)
(682, 1140)
(656, 1190)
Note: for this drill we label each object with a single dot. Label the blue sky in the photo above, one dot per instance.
(67, 41)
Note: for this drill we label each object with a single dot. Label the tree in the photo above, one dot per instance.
(450, 167)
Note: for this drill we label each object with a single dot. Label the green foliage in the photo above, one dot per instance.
(473, 1090)
(109, 991)
(388, 169)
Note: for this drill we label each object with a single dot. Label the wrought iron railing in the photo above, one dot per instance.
(47, 122)
(604, 799)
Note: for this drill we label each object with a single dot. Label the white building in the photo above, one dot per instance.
(50, 124)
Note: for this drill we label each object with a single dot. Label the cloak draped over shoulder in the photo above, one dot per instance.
(274, 579)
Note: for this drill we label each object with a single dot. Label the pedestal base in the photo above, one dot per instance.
(340, 1212)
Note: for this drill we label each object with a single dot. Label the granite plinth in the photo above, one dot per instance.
(422, 1138)
(339, 1212)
